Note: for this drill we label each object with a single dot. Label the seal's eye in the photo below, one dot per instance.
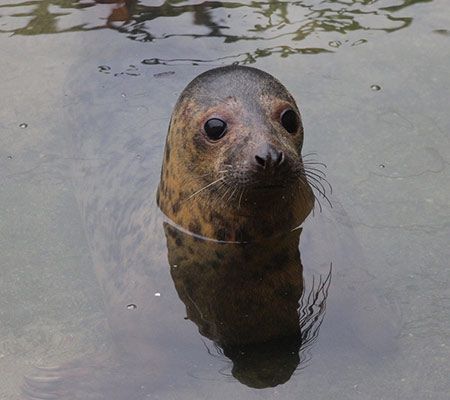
(215, 128)
(289, 120)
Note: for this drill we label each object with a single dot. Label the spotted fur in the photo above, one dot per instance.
(213, 188)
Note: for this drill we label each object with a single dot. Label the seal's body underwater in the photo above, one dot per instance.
(233, 186)
(232, 168)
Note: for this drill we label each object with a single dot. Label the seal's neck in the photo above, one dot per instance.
(250, 217)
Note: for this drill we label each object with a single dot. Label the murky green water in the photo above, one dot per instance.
(87, 90)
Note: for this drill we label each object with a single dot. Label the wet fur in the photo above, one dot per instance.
(212, 188)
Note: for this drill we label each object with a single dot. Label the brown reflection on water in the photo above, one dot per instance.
(249, 299)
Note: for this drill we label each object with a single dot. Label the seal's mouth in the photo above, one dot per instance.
(269, 186)
(262, 185)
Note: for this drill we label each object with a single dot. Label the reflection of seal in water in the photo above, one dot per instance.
(248, 298)
(233, 169)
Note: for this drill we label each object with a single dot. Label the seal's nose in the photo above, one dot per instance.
(267, 157)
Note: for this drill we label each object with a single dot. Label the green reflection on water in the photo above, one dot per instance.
(130, 16)
(279, 24)
(41, 20)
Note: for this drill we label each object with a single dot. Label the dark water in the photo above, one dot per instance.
(87, 91)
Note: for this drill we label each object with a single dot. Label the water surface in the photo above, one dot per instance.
(88, 89)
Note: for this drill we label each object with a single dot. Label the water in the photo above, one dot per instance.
(87, 92)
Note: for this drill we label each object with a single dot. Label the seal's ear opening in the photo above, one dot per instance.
(267, 364)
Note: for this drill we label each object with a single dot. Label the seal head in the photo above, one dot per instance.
(232, 169)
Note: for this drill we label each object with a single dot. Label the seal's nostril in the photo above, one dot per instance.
(261, 161)
(268, 157)
(279, 159)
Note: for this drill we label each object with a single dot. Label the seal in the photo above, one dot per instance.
(233, 169)
(233, 188)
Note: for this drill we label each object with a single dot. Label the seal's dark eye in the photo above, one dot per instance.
(289, 120)
(215, 128)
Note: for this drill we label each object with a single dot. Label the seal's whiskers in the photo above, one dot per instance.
(315, 177)
(204, 187)
(240, 198)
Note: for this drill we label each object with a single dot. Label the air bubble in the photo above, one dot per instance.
(23, 125)
(375, 88)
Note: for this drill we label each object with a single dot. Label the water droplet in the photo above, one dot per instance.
(164, 74)
(335, 43)
(382, 166)
(157, 294)
(10, 157)
(138, 156)
(359, 42)
(132, 70)
(131, 307)
(444, 32)
(123, 95)
(151, 61)
(104, 68)
(375, 88)
(23, 125)
(174, 266)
